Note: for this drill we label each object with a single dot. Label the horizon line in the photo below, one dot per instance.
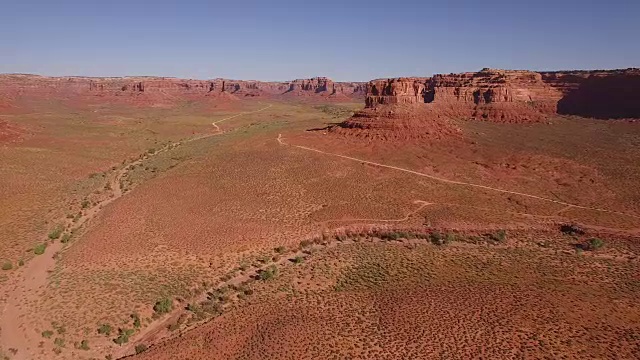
(306, 78)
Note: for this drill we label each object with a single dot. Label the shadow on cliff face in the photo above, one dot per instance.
(610, 97)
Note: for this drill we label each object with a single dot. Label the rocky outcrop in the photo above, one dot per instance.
(316, 85)
(172, 87)
(398, 122)
(396, 91)
(508, 96)
(601, 94)
(516, 96)
(325, 86)
(496, 95)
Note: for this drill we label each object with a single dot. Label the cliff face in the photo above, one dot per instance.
(323, 85)
(404, 105)
(33, 84)
(516, 96)
(489, 94)
(495, 95)
(395, 91)
(599, 94)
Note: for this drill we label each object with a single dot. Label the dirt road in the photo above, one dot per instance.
(455, 182)
(23, 290)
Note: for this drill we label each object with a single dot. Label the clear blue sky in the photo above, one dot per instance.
(287, 39)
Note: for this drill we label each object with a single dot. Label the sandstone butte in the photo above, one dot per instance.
(14, 85)
(514, 95)
(418, 105)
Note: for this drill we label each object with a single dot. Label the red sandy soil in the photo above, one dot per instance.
(9, 133)
(403, 300)
(190, 207)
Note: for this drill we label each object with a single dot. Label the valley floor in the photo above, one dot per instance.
(251, 234)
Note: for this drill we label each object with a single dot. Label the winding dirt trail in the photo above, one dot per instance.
(157, 331)
(18, 335)
(422, 203)
(455, 182)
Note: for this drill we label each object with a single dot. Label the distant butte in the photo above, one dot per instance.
(173, 87)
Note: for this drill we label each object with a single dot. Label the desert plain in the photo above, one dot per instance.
(492, 214)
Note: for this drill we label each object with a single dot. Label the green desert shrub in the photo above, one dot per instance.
(7, 265)
(140, 348)
(40, 248)
(56, 232)
(449, 237)
(163, 306)
(85, 204)
(47, 334)
(136, 321)
(61, 330)
(436, 238)
(594, 244)
(499, 236)
(65, 238)
(123, 336)
(84, 345)
(105, 329)
(268, 273)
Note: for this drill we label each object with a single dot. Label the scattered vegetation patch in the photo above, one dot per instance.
(499, 236)
(123, 336)
(56, 232)
(594, 244)
(163, 306)
(136, 321)
(268, 273)
(85, 203)
(47, 334)
(105, 329)
(7, 265)
(335, 111)
(65, 238)
(363, 276)
(450, 237)
(83, 345)
(140, 348)
(40, 248)
(437, 239)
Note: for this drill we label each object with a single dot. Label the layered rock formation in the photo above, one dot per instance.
(398, 122)
(34, 84)
(323, 85)
(396, 91)
(498, 95)
(601, 94)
